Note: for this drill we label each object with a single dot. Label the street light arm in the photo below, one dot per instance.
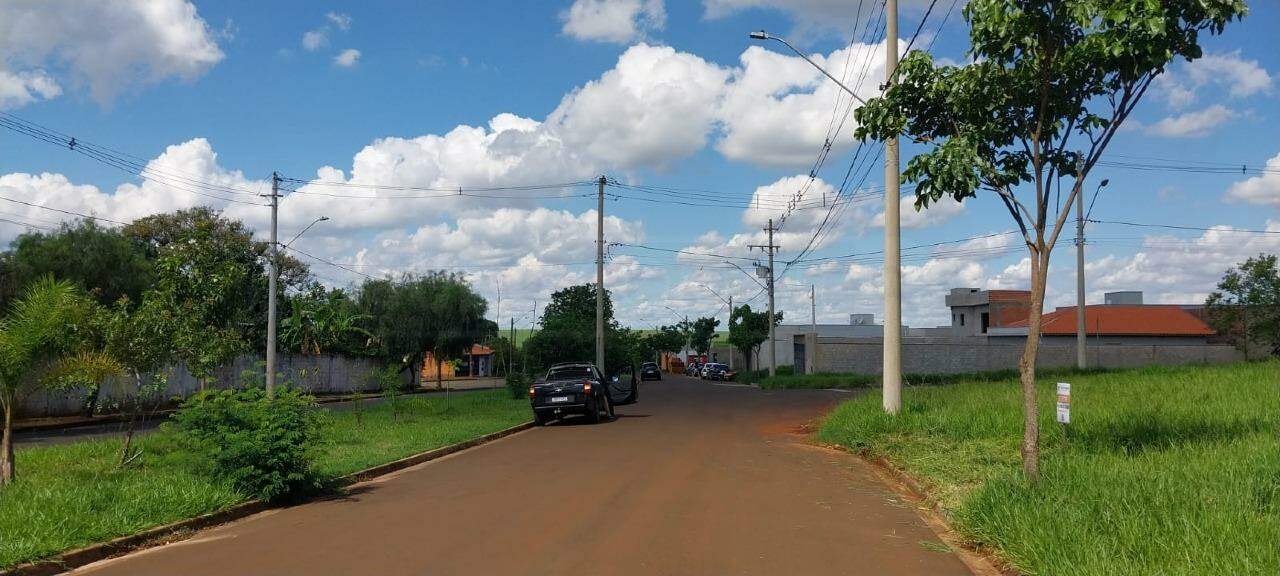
(753, 278)
(304, 230)
(762, 35)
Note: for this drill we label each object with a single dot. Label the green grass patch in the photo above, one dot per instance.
(789, 380)
(1171, 471)
(73, 495)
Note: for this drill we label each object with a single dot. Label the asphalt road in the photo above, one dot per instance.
(696, 478)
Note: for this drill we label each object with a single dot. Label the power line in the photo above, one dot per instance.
(68, 212)
(1180, 227)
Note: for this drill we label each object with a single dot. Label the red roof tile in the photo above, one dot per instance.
(1138, 320)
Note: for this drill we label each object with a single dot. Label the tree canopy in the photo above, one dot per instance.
(702, 333)
(103, 261)
(748, 329)
(1246, 305)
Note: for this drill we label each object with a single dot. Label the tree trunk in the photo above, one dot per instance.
(439, 374)
(7, 472)
(1027, 371)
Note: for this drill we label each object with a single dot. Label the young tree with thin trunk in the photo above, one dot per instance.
(1049, 85)
(39, 340)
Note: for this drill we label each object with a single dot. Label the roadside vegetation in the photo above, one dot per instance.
(76, 494)
(1172, 471)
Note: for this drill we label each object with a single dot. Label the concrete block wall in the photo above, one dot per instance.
(317, 374)
(940, 356)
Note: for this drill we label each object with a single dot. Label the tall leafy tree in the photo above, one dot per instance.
(41, 341)
(567, 329)
(1049, 85)
(103, 261)
(667, 339)
(748, 329)
(323, 321)
(230, 244)
(1246, 305)
(702, 333)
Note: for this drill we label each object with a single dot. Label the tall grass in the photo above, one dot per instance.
(72, 495)
(1171, 471)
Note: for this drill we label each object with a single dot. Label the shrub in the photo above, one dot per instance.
(390, 385)
(518, 384)
(264, 447)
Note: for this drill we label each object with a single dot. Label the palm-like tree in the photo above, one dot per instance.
(40, 340)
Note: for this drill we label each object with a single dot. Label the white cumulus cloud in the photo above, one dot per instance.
(347, 58)
(106, 46)
(1264, 189)
(617, 21)
(1193, 124)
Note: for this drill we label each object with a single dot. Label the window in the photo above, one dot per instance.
(962, 319)
(986, 321)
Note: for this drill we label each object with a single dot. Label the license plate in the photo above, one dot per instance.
(558, 399)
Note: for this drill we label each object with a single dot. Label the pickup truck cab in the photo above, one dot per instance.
(580, 388)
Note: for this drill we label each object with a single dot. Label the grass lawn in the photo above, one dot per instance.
(72, 495)
(1169, 471)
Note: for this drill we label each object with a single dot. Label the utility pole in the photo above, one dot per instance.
(892, 256)
(726, 326)
(770, 248)
(511, 357)
(813, 310)
(1081, 337)
(600, 276)
(272, 279)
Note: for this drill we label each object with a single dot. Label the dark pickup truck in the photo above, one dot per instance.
(580, 388)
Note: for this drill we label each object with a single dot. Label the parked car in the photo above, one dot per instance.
(717, 371)
(580, 388)
(650, 371)
(702, 371)
(693, 369)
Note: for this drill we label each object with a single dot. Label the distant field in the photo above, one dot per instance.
(1170, 471)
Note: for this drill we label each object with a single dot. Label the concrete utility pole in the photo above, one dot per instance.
(773, 346)
(1081, 337)
(892, 256)
(511, 357)
(600, 276)
(272, 279)
(813, 309)
(769, 247)
(726, 327)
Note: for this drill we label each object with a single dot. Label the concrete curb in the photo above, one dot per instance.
(183, 529)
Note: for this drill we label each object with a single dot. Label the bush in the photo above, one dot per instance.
(264, 447)
(518, 384)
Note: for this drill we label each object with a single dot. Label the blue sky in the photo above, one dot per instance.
(651, 93)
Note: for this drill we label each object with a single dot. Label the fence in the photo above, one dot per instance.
(316, 374)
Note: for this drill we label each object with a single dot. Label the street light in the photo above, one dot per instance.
(304, 230)
(765, 36)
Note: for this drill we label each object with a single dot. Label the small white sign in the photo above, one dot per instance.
(1064, 403)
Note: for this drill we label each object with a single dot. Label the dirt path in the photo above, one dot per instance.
(695, 479)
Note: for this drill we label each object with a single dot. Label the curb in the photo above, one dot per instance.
(183, 529)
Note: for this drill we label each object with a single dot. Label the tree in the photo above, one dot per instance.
(702, 333)
(1246, 305)
(413, 314)
(137, 343)
(322, 321)
(458, 319)
(230, 244)
(200, 284)
(667, 339)
(103, 261)
(39, 340)
(749, 329)
(1042, 72)
(567, 330)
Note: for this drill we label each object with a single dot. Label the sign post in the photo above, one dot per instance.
(1064, 407)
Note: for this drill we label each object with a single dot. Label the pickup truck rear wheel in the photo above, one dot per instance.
(540, 419)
